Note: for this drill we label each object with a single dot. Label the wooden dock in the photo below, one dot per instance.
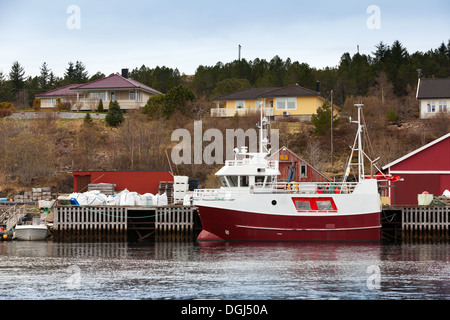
(113, 223)
(416, 223)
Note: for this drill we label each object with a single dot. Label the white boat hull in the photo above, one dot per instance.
(30, 232)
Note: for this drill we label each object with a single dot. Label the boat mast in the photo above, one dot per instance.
(360, 150)
(358, 140)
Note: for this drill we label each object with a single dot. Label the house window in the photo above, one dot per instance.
(132, 95)
(240, 104)
(286, 103)
(113, 95)
(431, 106)
(303, 171)
(443, 106)
(97, 96)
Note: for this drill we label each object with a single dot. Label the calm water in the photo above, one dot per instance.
(239, 271)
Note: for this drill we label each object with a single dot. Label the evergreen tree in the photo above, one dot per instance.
(100, 106)
(115, 115)
(44, 78)
(88, 119)
(17, 77)
(322, 120)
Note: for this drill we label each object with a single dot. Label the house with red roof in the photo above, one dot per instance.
(48, 99)
(129, 93)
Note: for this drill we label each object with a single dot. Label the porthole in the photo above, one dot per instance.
(274, 202)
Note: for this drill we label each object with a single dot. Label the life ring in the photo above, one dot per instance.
(292, 186)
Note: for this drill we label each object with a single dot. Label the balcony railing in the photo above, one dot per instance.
(231, 112)
(86, 104)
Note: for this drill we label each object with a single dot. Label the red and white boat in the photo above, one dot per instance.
(253, 206)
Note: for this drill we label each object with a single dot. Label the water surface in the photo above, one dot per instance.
(42, 270)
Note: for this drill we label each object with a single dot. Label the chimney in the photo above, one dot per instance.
(125, 73)
(318, 86)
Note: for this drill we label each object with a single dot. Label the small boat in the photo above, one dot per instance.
(252, 205)
(31, 232)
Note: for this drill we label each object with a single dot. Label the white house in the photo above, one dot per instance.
(433, 96)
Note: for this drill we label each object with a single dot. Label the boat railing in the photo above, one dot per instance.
(315, 187)
(278, 187)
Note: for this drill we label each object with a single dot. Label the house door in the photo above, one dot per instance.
(82, 183)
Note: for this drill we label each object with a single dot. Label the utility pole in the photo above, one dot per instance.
(332, 128)
(239, 52)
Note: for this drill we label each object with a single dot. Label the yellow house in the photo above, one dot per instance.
(290, 101)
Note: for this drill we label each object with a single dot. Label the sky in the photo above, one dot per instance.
(108, 36)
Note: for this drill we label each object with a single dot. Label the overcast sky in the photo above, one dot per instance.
(110, 35)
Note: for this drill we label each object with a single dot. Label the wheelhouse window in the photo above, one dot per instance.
(314, 205)
(232, 181)
(286, 103)
(324, 205)
(302, 205)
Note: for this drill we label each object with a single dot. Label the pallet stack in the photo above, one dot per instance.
(35, 195)
(107, 189)
(166, 187)
(180, 187)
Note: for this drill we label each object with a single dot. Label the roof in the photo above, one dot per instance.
(432, 143)
(246, 94)
(433, 88)
(255, 93)
(64, 91)
(291, 91)
(115, 81)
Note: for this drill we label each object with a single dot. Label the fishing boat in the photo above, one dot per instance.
(252, 205)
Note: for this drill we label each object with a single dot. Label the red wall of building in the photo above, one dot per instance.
(435, 157)
(312, 175)
(138, 181)
(406, 191)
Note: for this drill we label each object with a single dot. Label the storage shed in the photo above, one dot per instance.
(138, 181)
(424, 169)
(301, 171)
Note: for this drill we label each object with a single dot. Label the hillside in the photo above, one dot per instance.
(50, 148)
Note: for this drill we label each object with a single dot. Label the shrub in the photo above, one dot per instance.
(115, 115)
(100, 106)
(37, 104)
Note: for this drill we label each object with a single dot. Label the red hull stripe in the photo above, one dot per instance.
(309, 229)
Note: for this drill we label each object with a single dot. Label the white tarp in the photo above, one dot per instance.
(123, 198)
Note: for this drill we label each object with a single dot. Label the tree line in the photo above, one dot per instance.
(354, 75)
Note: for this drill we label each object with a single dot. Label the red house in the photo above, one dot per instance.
(424, 169)
(137, 181)
(303, 171)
